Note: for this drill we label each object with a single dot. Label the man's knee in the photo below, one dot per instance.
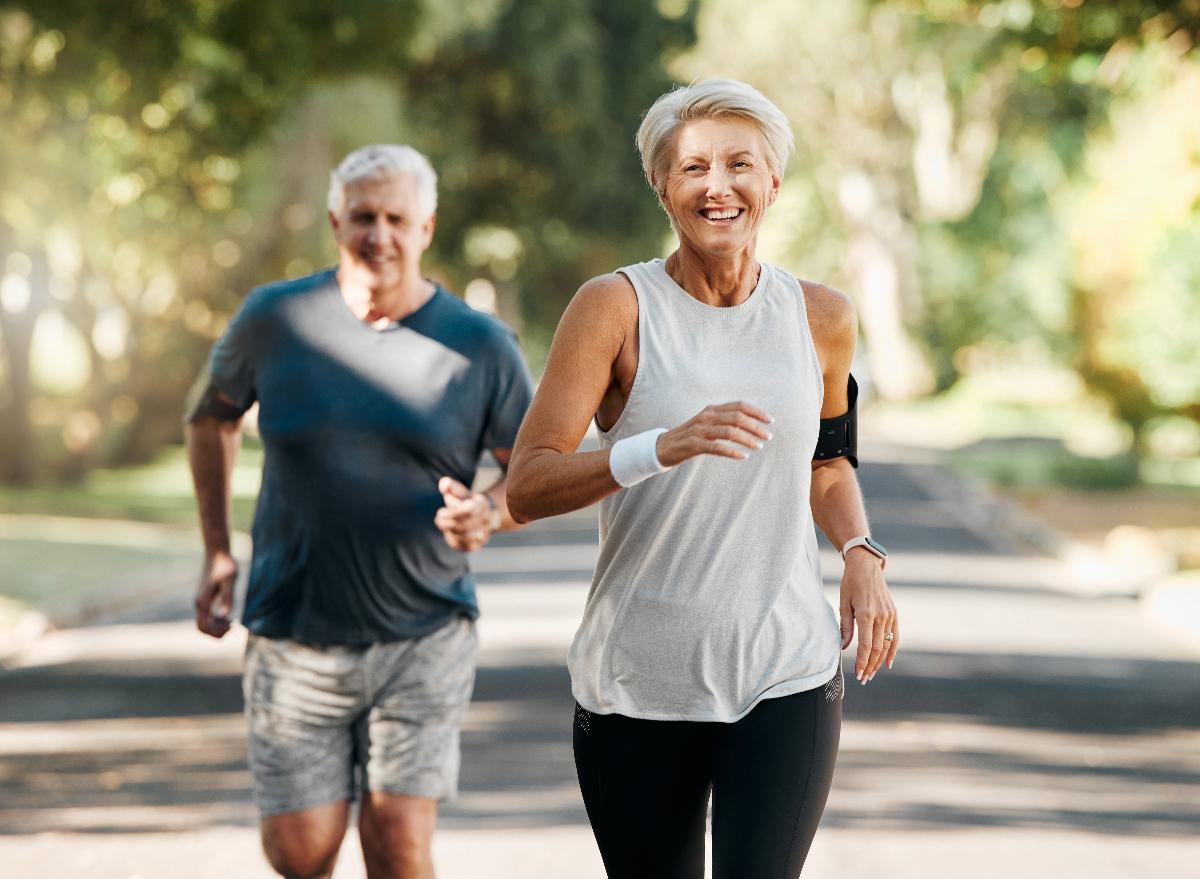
(396, 833)
(292, 863)
(305, 845)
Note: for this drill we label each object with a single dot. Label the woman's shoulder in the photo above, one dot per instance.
(832, 318)
(828, 307)
(607, 292)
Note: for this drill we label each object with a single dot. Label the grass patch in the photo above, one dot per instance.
(158, 492)
(34, 570)
(1039, 462)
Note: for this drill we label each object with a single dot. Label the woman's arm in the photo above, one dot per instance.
(837, 503)
(593, 360)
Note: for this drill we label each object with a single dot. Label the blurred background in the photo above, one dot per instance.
(1009, 192)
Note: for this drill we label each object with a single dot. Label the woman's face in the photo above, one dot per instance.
(718, 185)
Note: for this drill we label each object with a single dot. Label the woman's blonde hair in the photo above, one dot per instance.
(711, 99)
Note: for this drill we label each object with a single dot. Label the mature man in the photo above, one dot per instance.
(377, 393)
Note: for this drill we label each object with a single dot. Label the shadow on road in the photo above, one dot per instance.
(103, 746)
(946, 740)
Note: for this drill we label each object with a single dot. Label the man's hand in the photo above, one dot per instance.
(865, 600)
(214, 595)
(466, 520)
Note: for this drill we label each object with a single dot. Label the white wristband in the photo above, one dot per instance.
(636, 458)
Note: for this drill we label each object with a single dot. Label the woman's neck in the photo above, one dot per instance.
(720, 281)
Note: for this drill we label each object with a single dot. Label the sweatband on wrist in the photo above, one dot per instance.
(636, 458)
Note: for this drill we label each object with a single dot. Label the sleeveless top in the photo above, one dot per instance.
(707, 596)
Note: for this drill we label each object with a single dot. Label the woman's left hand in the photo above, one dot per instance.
(865, 601)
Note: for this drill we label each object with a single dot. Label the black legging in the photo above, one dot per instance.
(646, 784)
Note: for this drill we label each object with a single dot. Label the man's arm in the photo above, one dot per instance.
(467, 520)
(212, 446)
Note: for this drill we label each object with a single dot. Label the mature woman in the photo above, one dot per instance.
(708, 657)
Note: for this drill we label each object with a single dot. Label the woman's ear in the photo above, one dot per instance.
(661, 192)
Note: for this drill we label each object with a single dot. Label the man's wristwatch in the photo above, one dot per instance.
(870, 545)
(494, 519)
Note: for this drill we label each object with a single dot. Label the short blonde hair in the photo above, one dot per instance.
(383, 160)
(711, 99)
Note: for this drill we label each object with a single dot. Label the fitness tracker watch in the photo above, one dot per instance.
(872, 546)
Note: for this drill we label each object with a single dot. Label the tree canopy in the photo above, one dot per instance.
(1087, 82)
(158, 159)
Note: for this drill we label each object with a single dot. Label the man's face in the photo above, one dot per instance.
(382, 231)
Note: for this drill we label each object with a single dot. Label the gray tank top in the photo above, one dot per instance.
(707, 597)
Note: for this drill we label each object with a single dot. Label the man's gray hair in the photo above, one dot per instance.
(711, 99)
(384, 160)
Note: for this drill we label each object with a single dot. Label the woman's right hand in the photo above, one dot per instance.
(732, 430)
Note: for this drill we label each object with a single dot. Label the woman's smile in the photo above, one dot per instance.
(721, 214)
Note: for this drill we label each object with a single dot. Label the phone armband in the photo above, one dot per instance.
(838, 437)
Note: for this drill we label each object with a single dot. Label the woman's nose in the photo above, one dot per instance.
(718, 183)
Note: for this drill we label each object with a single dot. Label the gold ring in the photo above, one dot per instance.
(888, 636)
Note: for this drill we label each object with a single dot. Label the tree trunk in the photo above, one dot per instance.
(18, 462)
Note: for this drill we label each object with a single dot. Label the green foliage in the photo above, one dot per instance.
(159, 492)
(121, 128)
(157, 160)
(1022, 261)
(1003, 272)
(1027, 462)
(531, 121)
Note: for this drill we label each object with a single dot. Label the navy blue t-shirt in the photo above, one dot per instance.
(358, 424)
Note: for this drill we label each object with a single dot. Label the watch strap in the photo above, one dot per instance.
(494, 518)
(866, 543)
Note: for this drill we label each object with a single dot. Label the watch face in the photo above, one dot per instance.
(878, 547)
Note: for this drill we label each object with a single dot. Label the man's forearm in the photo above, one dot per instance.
(212, 446)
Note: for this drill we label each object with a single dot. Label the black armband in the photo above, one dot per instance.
(210, 405)
(838, 437)
(205, 401)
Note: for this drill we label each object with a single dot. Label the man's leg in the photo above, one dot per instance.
(301, 703)
(305, 844)
(410, 738)
(397, 832)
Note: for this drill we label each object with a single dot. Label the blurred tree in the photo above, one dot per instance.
(944, 148)
(1136, 238)
(1117, 304)
(857, 91)
(530, 116)
(157, 160)
(120, 130)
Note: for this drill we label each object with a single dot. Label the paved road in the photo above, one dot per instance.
(1029, 725)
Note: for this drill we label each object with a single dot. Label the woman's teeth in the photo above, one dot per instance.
(727, 214)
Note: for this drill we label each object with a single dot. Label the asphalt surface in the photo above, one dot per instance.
(1029, 724)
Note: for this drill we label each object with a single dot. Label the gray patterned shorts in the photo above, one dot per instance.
(327, 722)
